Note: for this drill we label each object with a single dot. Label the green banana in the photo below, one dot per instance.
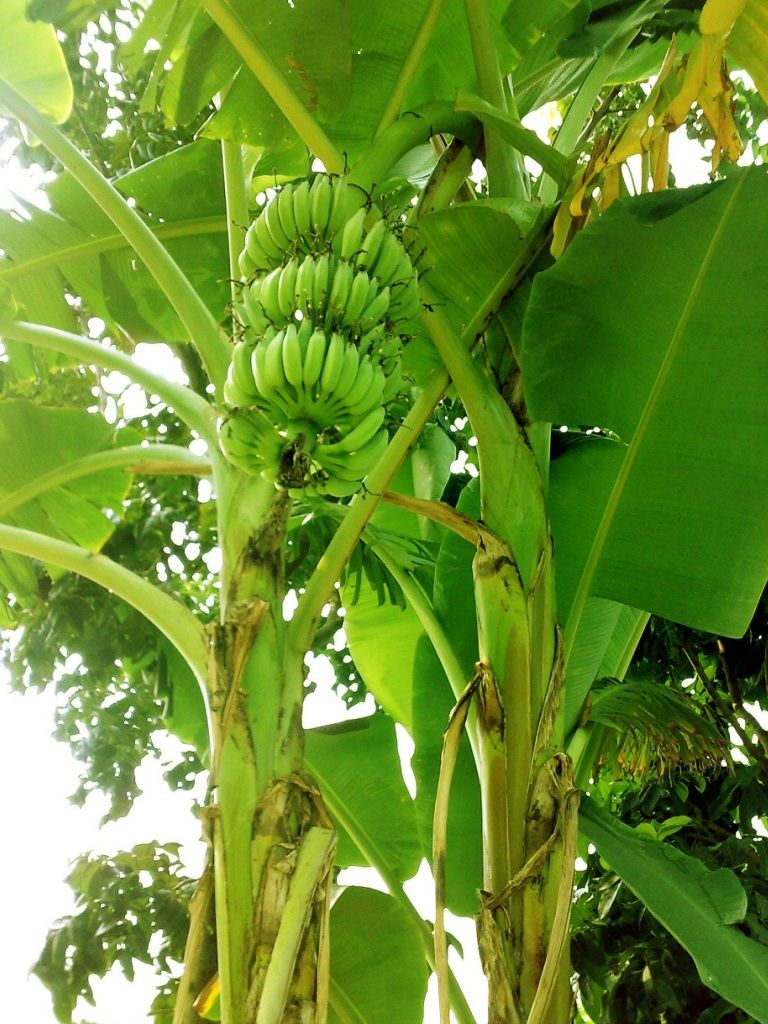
(369, 251)
(349, 371)
(357, 437)
(304, 333)
(406, 301)
(301, 210)
(320, 284)
(346, 244)
(254, 311)
(271, 217)
(264, 251)
(286, 288)
(314, 360)
(320, 204)
(334, 359)
(370, 341)
(393, 384)
(340, 288)
(305, 278)
(258, 369)
(388, 260)
(370, 398)
(240, 387)
(337, 488)
(355, 465)
(357, 299)
(245, 264)
(269, 296)
(292, 362)
(375, 311)
(340, 206)
(285, 212)
(273, 363)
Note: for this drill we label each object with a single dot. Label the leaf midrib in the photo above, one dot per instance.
(601, 536)
(343, 1006)
(109, 243)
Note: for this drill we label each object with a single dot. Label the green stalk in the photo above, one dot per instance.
(410, 65)
(192, 409)
(506, 177)
(173, 619)
(450, 753)
(179, 460)
(108, 243)
(190, 308)
(511, 130)
(422, 606)
(236, 200)
(313, 862)
(412, 129)
(502, 448)
(280, 90)
(450, 174)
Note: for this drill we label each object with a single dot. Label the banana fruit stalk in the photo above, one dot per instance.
(328, 291)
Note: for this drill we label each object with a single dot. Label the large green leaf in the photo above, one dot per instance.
(291, 36)
(652, 325)
(447, 66)
(454, 586)
(378, 972)
(74, 247)
(596, 648)
(424, 474)
(310, 41)
(698, 906)
(343, 59)
(358, 769)
(35, 440)
(40, 292)
(526, 23)
(31, 60)
(184, 711)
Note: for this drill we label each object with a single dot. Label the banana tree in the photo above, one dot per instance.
(349, 286)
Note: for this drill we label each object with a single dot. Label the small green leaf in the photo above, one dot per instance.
(378, 971)
(357, 767)
(382, 641)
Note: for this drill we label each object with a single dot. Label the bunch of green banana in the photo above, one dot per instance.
(327, 286)
(301, 381)
(303, 376)
(300, 219)
(330, 290)
(250, 440)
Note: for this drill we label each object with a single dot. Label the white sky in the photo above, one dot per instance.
(44, 833)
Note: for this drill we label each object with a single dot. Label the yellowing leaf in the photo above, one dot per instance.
(718, 16)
